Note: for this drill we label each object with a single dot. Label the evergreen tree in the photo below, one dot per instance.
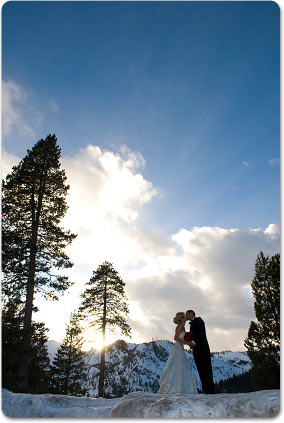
(33, 243)
(39, 360)
(105, 306)
(263, 340)
(68, 372)
(12, 333)
(235, 384)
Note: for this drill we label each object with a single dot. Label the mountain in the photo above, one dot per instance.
(137, 367)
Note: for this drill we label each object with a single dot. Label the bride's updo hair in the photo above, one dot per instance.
(178, 317)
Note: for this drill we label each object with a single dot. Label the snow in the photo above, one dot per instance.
(238, 360)
(147, 405)
(139, 366)
(259, 404)
(48, 405)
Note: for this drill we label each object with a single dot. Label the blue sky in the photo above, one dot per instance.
(191, 86)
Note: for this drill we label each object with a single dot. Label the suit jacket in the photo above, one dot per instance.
(198, 327)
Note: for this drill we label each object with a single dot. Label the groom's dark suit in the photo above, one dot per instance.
(201, 354)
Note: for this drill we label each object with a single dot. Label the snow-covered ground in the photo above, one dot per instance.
(261, 404)
(47, 405)
(141, 365)
(144, 404)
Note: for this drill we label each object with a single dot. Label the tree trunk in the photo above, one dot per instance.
(66, 382)
(27, 330)
(102, 373)
(27, 334)
(103, 352)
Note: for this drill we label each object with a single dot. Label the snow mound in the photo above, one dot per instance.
(144, 404)
(47, 405)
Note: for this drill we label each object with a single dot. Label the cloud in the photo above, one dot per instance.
(106, 197)
(209, 269)
(105, 184)
(246, 164)
(18, 116)
(54, 106)
(273, 162)
(7, 162)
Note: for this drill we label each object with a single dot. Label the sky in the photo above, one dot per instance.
(168, 118)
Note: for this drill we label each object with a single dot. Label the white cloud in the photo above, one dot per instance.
(105, 185)
(17, 115)
(54, 106)
(274, 161)
(246, 164)
(208, 269)
(7, 162)
(272, 230)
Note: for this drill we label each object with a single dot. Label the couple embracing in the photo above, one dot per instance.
(176, 377)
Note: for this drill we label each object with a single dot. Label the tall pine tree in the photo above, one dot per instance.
(33, 203)
(105, 306)
(68, 375)
(263, 340)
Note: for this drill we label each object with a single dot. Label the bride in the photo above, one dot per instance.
(176, 377)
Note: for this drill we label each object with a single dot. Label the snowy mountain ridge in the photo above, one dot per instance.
(137, 367)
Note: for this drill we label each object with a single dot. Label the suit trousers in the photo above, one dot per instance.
(202, 360)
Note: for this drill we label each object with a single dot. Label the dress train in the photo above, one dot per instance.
(176, 377)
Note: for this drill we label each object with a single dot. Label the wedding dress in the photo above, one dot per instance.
(176, 377)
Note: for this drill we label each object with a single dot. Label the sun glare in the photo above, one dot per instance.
(94, 340)
(204, 284)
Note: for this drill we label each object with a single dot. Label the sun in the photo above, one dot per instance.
(94, 340)
(94, 343)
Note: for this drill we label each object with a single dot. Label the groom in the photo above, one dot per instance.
(201, 351)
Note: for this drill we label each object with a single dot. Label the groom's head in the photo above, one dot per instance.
(190, 314)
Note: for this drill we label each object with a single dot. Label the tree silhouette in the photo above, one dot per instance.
(104, 304)
(263, 340)
(68, 370)
(33, 203)
(12, 333)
